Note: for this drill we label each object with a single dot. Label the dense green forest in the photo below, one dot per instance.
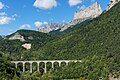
(14, 47)
(96, 44)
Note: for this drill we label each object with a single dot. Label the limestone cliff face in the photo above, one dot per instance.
(50, 27)
(27, 46)
(61, 27)
(71, 24)
(92, 11)
(111, 4)
(80, 16)
(17, 36)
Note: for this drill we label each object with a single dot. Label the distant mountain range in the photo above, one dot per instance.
(80, 16)
(60, 27)
(96, 43)
(2, 36)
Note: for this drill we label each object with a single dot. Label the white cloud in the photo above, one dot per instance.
(45, 4)
(38, 24)
(1, 5)
(24, 26)
(3, 14)
(14, 15)
(82, 7)
(5, 20)
(74, 2)
(45, 23)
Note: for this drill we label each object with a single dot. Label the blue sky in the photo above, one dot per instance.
(30, 14)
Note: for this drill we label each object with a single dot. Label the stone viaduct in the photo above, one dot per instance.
(42, 61)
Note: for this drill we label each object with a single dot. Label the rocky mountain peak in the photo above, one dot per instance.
(111, 4)
(49, 27)
(92, 11)
(80, 16)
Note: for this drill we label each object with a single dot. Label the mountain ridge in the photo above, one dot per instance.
(95, 43)
(90, 12)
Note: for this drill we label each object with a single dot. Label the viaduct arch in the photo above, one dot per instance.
(42, 61)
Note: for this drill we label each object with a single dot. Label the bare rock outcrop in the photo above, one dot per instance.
(27, 46)
(17, 36)
(80, 16)
(111, 4)
(92, 11)
(49, 27)
(61, 27)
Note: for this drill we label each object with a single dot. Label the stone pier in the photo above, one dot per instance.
(42, 61)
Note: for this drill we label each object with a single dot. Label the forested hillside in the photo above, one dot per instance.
(14, 47)
(96, 44)
(101, 36)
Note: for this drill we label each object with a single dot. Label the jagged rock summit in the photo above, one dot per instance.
(92, 11)
(80, 16)
(61, 27)
(50, 27)
(111, 4)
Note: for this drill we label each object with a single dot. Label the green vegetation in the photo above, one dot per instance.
(7, 71)
(14, 47)
(92, 68)
(101, 36)
(96, 44)
(37, 39)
